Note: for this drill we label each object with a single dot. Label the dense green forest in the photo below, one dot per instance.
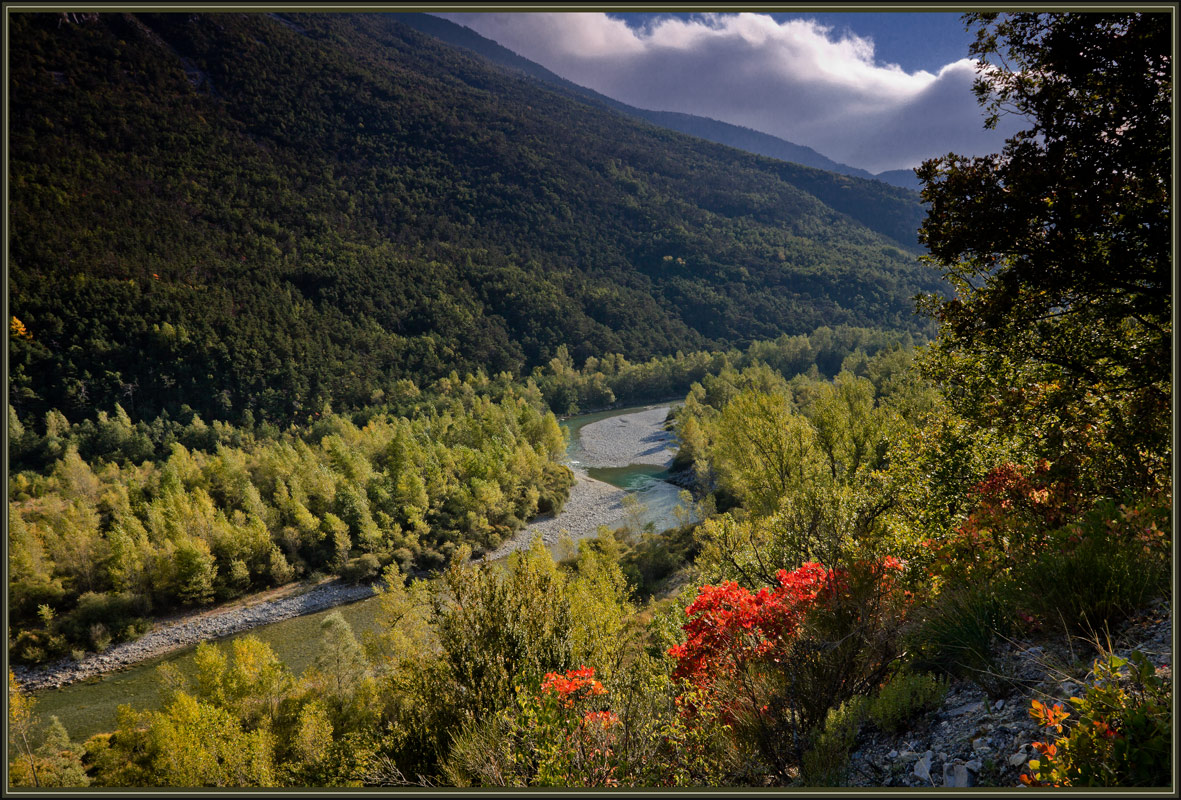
(879, 519)
(253, 213)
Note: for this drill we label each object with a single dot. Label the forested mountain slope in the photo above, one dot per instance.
(252, 213)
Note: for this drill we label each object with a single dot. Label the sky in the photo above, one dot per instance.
(878, 91)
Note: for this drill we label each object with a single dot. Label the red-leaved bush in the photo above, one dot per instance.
(730, 625)
(574, 685)
(573, 743)
(774, 661)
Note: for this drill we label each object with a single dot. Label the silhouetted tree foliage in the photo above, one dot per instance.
(1059, 246)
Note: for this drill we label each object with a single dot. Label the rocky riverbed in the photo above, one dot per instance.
(638, 438)
(591, 503)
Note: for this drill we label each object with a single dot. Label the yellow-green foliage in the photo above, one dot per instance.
(825, 764)
(599, 603)
(905, 697)
(206, 525)
(454, 653)
(809, 462)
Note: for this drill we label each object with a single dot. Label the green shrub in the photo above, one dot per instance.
(1121, 734)
(100, 638)
(557, 479)
(957, 636)
(361, 568)
(1098, 571)
(484, 753)
(827, 762)
(100, 615)
(37, 645)
(651, 559)
(905, 697)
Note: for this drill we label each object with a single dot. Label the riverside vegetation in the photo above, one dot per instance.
(868, 533)
(111, 522)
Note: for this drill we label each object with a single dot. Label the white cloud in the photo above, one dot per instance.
(794, 79)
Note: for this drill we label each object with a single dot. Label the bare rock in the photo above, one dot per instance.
(922, 767)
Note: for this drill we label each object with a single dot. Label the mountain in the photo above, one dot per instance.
(725, 133)
(901, 177)
(252, 215)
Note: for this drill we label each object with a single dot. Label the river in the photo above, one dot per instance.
(598, 443)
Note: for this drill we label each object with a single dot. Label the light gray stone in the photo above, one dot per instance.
(922, 768)
(962, 777)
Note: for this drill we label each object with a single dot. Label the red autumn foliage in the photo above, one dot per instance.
(573, 686)
(1015, 507)
(730, 625)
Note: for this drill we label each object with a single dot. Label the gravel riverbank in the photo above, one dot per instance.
(637, 438)
(591, 503)
(191, 629)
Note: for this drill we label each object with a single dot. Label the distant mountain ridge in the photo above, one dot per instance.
(824, 178)
(714, 130)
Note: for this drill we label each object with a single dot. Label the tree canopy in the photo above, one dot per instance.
(1058, 247)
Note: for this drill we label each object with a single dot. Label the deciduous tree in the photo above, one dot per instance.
(1058, 247)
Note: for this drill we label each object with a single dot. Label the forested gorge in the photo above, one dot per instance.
(882, 516)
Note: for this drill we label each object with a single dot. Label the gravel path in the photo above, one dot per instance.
(637, 438)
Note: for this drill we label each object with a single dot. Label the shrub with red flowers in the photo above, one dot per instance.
(730, 625)
(776, 660)
(565, 734)
(572, 687)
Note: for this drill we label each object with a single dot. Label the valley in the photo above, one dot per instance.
(84, 695)
(384, 412)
